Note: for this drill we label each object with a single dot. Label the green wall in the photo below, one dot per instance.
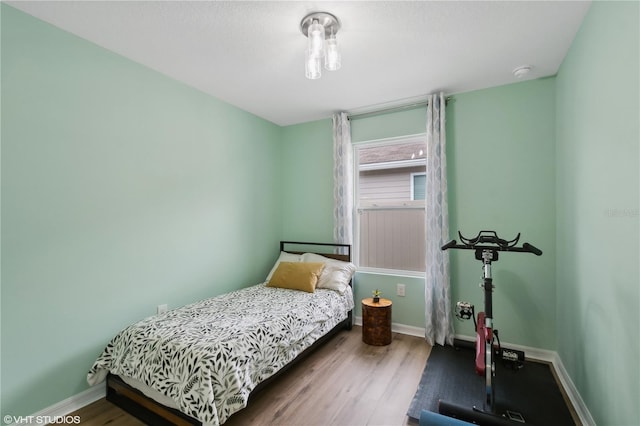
(402, 123)
(307, 159)
(501, 169)
(121, 189)
(598, 212)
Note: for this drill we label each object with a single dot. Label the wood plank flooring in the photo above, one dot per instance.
(344, 382)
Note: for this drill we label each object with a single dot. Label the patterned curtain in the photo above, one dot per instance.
(342, 180)
(438, 318)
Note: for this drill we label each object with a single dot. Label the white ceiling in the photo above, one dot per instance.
(251, 54)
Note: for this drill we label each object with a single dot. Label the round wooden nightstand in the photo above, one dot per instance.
(376, 322)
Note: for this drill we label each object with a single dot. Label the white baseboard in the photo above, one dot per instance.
(572, 393)
(399, 328)
(68, 406)
(532, 353)
(408, 329)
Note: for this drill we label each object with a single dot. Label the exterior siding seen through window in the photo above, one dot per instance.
(390, 200)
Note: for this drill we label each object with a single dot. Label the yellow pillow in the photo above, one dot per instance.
(297, 276)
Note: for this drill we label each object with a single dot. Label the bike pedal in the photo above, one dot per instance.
(515, 416)
(464, 310)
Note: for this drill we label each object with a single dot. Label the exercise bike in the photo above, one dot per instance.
(486, 245)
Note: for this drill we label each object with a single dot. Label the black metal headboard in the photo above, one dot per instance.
(333, 250)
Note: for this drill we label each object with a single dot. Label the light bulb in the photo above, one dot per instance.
(312, 66)
(316, 38)
(332, 60)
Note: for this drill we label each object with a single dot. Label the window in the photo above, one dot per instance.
(418, 186)
(390, 192)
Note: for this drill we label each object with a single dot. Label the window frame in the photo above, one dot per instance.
(397, 140)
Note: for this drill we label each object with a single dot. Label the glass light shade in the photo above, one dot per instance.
(312, 65)
(332, 60)
(316, 38)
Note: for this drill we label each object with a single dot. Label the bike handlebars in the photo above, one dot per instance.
(480, 241)
(532, 249)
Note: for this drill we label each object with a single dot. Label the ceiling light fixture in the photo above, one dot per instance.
(320, 28)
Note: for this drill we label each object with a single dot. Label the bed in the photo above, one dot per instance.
(199, 364)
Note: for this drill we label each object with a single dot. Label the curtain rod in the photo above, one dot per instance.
(393, 109)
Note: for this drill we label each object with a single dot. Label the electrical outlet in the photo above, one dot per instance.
(400, 289)
(162, 309)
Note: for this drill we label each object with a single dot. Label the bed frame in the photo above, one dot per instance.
(151, 412)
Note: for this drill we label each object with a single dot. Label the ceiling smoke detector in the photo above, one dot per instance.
(522, 71)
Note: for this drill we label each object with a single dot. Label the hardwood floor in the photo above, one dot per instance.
(102, 412)
(345, 382)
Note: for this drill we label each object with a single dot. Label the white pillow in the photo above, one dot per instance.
(336, 273)
(284, 257)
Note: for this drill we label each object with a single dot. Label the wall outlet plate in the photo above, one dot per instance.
(162, 309)
(400, 289)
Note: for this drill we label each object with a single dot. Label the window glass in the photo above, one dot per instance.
(419, 185)
(390, 193)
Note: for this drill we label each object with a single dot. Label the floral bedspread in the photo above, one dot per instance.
(209, 355)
